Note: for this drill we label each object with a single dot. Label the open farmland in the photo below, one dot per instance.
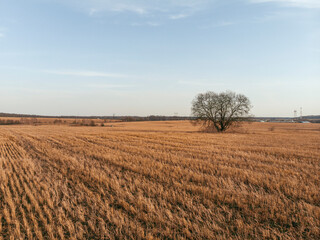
(152, 180)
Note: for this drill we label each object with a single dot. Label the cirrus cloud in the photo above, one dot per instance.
(292, 3)
(173, 9)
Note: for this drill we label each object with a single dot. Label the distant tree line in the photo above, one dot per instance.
(9, 122)
(154, 118)
(122, 118)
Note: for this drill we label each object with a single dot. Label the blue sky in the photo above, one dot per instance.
(144, 57)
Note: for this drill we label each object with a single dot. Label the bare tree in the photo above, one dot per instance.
(220, 111)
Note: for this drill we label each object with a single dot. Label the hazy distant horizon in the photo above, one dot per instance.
(125, 115)
(141, 58)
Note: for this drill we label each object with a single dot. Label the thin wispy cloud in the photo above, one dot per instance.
(86, 74)
(173, 9)
(179, 16)
(292, 3)
(129, 8)
(97, 6)
(1, 35)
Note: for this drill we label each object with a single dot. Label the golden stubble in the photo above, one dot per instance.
(159, 180)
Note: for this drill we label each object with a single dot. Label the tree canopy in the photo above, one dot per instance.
(220, 111)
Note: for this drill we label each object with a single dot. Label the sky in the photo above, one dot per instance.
(152, 57)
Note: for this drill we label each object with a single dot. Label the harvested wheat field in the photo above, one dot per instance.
(160, 180)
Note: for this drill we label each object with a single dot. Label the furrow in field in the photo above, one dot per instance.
(205, 156)
(180, 187)
(68, 175)
(228, 170)
(95, 183)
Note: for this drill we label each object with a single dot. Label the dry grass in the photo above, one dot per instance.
(159, 180)
(56, 121)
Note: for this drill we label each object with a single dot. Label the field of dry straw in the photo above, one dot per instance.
(160, 180)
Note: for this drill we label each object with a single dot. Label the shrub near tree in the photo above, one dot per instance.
(219, 111)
